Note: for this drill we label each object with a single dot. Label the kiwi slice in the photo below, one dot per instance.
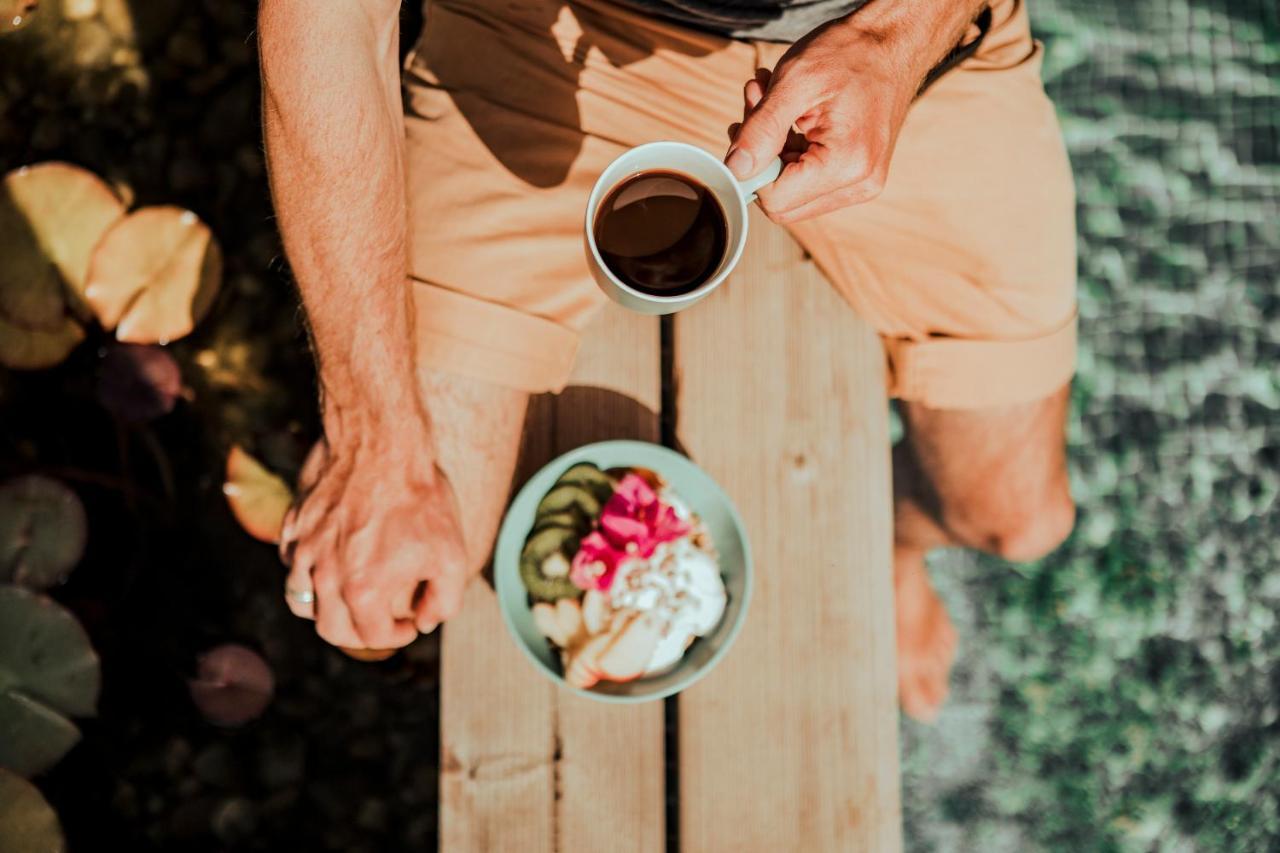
(569, 518)
(590, 477)
(544, 563)
(569, 496)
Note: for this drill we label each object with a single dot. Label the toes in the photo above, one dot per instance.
(949, 636)
(924, 671)
(918, 703)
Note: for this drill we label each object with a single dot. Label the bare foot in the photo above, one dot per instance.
(926, 638)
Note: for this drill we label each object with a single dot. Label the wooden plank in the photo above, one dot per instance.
(497, 737)
(524, 765)
(497, 716)
(611, 766)
(792, 743)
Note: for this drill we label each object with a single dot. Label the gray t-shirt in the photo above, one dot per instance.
(769, 20)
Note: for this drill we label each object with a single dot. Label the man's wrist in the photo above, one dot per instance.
(388, 421)
(914, 35)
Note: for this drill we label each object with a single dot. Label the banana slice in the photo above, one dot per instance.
(628, 656)
(596, 611)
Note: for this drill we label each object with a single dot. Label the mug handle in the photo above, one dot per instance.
(767, 176)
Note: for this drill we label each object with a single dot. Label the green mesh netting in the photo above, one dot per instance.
(1123, 693)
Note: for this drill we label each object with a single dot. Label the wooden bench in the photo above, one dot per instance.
(791, 744)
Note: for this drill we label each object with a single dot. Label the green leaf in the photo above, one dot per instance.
(48, 671)
(42, 531)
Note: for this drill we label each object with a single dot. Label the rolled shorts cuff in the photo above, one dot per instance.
(463, 335)
(952, 373)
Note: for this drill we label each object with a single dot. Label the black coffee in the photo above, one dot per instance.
(661, 232)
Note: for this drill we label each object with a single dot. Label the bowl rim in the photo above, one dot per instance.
(580, 454)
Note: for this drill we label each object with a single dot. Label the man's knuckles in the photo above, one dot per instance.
(364, 593)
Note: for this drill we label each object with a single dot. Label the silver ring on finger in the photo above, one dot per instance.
(300, 596)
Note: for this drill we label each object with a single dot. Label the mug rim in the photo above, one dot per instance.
(732, 258)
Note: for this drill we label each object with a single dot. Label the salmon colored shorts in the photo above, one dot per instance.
(965, 264)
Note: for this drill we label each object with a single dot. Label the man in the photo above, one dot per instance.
(946, 220)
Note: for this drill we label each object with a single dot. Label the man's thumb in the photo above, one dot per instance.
(762, 136)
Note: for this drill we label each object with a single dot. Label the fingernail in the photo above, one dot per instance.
(740, 162)
(428, 627)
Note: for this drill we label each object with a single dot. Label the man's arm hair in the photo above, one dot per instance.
(335, 153)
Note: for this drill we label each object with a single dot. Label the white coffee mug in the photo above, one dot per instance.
(704, 168)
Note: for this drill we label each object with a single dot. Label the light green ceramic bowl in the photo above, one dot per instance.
(701, 493)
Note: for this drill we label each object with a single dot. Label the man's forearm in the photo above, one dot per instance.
(335, 154)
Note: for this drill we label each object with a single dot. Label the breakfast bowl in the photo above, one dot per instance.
(623, 571)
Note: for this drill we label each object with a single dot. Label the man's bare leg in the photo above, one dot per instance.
(994, 480)
(477, 428)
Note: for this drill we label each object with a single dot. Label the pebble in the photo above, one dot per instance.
(177, 753)
(214, 765)
(125, 801)
(372, 815)
(234, 820)
(92, 45)
(249, 159)
(366, 747)
(418, 832)
(185, 48)
(78, 10)
(282, 762)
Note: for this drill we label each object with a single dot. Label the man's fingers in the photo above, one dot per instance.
(807, 179)
(823, 204)
(298, 585)
(441, 600)
(764, 130)
(313, 465)
(370, 605)
(821, 171)
(333, 619)
(817, 207)
(403, 601)
(806, 123)
(289, 536)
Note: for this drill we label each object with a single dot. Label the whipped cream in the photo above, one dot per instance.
(680, 586)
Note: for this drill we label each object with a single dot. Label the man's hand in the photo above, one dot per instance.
(833, 105)
(375, 535)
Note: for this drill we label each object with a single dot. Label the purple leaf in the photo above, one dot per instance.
(138, 382)
(233, 685)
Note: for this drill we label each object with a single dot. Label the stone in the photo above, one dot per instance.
(79, 10)
(234, 820)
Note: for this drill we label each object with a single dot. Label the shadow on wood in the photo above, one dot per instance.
(601, 414)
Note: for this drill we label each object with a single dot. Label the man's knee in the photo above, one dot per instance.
(1022, 533)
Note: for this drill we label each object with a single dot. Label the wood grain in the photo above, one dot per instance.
(524, 765)
(792, 743)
